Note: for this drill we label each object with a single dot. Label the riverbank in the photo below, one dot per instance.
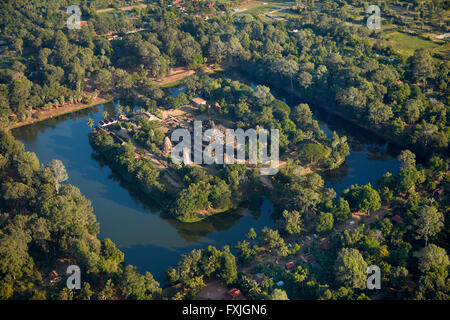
(381, 133)
(55, 112)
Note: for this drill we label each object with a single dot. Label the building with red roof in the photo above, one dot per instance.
(234, 294)
(289, 265)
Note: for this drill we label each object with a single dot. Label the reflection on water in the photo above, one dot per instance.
(149, 240)
(153, 241)
(370, 156)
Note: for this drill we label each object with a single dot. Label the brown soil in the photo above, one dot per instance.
(214, 290)
(52, 112)
(179, 73)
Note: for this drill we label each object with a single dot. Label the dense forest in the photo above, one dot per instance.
(322, 53)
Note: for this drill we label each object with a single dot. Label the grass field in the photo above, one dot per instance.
(406, 44)
(258, 7)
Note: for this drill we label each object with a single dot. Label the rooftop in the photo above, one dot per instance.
(199, 100)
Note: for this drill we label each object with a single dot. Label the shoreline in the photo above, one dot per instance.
(397, 141)
(97, 101)
(64, 110)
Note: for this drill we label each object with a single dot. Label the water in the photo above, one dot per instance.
(152, 241)
(149, 240)
(370, 156)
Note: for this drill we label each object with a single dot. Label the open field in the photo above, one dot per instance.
(406, 44)
(138, 6)
(258, 7)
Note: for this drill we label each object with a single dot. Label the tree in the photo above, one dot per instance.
(104, 79)
(407, 160)
(251, 234)
(137, 286)
(245, 253)
(108, 291)
(271, 239)
(343, 212)
(124, 79)
(279, 294)
(421, 64)
(428, 222)
(364, 198)
(413, 110)
(90, 122)
(350, 269)
(292, 221)
(312, 152)
(398, 276)
(57, 172)
(285, 67)
(14, 251)
(86, 292)
(229, 268)
(305, 79)
(432, 258)
(352, 97)
(379, 113)
(27, 164)
(193, 199)
(262, 93)
(18, 45)
(324, 222)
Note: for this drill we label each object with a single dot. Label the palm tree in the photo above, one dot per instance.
(105, 114)
(90, 122)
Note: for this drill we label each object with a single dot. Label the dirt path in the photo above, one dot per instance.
(179, 73)
(140, 6)
(213, 290)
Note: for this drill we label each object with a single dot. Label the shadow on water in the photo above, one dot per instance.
(370, 156)
(150, 240)
(153, 241)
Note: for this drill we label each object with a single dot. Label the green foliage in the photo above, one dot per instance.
(350, 269)
(324, 222)
(363, 198)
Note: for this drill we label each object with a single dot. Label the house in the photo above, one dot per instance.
(234, 294)
(325, 244)
(83, 23)
(106, 122)
(54, 276)
(307, 257)
(289, 265)
(397, 218)
(150, 116)
(199, 101)
(399, 81)
(258, 277)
